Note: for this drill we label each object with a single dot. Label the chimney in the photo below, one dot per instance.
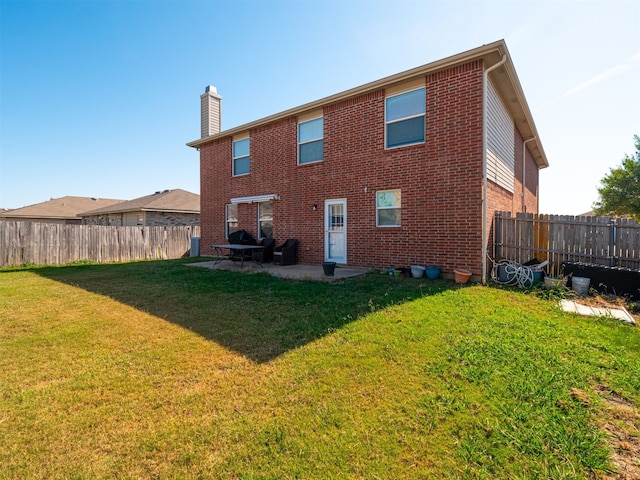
(210, 114)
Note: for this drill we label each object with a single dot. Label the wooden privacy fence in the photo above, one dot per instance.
(50, 244)
(609, 241)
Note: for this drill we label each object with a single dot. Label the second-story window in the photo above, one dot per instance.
(311, 141)
(241, 157)
(404, 118)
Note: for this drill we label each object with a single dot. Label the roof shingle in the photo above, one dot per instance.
(167, 201)
(68, 207)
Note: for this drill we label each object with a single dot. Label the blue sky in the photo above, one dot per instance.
(98, 98)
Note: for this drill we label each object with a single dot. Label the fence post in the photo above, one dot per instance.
(498, 236)
(612, 243)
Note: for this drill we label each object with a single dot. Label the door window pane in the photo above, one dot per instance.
(336, 218)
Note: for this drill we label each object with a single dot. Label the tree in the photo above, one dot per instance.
(620, 190)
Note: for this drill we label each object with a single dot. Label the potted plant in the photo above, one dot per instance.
(462, 275)
(329, 268)
(556, 282)
(433, 271)
(417, 271)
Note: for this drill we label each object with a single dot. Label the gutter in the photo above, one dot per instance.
(484, 164)
(524, 169)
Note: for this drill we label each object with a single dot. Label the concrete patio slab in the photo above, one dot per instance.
(581, 309)
(293, 272)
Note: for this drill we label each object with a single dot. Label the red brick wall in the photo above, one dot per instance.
(440, 180)
(215, 191)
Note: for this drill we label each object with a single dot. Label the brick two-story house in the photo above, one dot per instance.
(405, 170)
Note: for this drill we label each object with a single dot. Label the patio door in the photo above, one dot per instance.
(335, 230)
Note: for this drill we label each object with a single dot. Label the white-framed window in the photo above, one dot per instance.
(231, 219)
(405, 118)
(133, 219)
(388, 208)
(265, 220)
(311, 141)
(241, 157)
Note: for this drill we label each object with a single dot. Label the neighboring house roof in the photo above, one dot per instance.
(59, 208)
(504, 77)
(175, 201)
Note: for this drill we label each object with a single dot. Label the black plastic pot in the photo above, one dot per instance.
(328, 268)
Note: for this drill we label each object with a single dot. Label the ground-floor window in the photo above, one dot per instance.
(133, 219)
(265, 220)
(388, 208)
(231, 219)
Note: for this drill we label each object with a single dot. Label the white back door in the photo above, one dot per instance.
(335, 228)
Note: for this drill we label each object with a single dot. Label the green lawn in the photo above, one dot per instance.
(157, 370)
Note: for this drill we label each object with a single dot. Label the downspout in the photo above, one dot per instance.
(524, 170)
(484, 165)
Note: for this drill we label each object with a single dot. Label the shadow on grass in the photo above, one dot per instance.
(256, 315)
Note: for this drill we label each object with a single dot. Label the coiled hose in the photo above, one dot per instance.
(515, 274)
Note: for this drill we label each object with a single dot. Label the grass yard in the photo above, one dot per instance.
(156, 370)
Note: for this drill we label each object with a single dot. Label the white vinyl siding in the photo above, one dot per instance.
(500, 141)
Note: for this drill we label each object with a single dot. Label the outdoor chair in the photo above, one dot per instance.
(287, 253)
(266, 254)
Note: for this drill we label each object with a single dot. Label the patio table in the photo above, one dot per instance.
(237, 249)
